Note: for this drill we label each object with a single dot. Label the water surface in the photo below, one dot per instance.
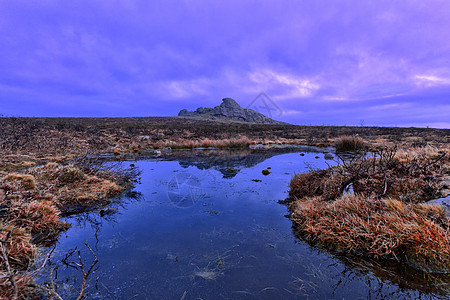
(209, 226)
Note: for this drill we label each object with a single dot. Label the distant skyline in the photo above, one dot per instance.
(371, 63)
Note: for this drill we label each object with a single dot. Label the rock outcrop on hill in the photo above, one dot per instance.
(229, 110)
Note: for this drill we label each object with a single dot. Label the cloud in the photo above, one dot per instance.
(186, 88)
(321, 61)
(431, 81)
(285, 86)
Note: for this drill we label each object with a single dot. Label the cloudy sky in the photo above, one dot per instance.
(383, 63)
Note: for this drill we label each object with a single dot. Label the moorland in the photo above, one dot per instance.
(48, 167)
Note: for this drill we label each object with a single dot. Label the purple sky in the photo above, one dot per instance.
(383, 63)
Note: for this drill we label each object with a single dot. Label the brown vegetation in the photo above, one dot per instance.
(386, 216)
(37, 138)
(30, 210)
(44, 169)
(412, 176)
(387, 228)
(349, 143)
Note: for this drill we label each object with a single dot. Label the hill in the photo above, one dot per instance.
(229, 110)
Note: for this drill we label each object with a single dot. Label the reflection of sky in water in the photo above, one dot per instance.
(231, 241)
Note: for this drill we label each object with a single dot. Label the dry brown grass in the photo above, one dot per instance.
(241, 142)
(68, 186)
(325, 183)
(411, 177)
(31, 206)
(385, 218)
(35, 216)
(19, 249)
(349, 143)
(23, 285)
(412, 233)
(25, 180)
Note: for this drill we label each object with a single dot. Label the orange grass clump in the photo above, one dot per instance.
(413, 233)
(349, 143)
(19, 249)
(411, 178)
(25, 180)
(35, 216)
(23, 285)
(324, 183)
(70, 186)
(92, 190)
(242, 142)
(20, 252)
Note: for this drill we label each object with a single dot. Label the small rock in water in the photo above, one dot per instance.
(108, 211)
(328, 156)
(265, 172)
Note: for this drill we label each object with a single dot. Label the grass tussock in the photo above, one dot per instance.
(242, 142)
(31, 204)
(386, 216)
(19, 249)
(26, 181)
(413, 178)
(23, 285)
(68, 186)
(412, 233)
(324, 183)
(37, 217)
(349, 143)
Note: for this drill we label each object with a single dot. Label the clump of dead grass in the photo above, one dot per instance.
(70, 174)
(412, 178)
(26, 181)
(241, 142)
(31, 205)
(70, 187)
(349, 143)
(386, 216)
(19, 249)
(377, 228)
(325, 183)
(37, 217)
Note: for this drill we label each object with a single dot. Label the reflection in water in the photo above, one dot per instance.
(192, 232)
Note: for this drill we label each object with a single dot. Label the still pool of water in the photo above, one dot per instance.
(212, 228)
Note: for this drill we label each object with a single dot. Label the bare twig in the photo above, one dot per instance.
(86, 274)
(7, 266)
(32, 274)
